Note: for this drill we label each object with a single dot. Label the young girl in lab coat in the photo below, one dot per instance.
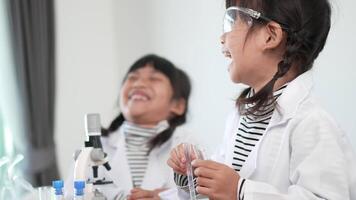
(279, 143)
(153, 103)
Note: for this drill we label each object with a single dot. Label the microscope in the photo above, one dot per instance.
(91, 157)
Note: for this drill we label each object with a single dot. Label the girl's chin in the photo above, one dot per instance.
(232, 72)
(142, 121)
(137, 105)
(137, 112)
(235, 79)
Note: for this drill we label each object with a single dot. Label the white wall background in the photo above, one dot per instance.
(87, 69)
(98, 40)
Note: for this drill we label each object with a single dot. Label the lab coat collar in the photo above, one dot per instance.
(113, 138)
(287, 106)
(288, 103)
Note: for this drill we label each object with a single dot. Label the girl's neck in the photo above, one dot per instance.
(288, 77)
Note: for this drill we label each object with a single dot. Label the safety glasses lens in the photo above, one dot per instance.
(234, 16)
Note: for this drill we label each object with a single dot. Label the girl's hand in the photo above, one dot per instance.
(177, 160)
(216, 180)
(141, 194)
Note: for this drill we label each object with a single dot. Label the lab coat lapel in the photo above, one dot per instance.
(154, 177)
(251, 163)
(120, 171)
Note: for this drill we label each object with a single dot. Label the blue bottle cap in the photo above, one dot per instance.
(79, 188)
(58, 186)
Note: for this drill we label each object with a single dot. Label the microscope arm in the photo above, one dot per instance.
(82, 164)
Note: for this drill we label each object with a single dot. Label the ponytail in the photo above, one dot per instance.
(115, 124)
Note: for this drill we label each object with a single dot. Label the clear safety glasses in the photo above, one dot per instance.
(234, 15)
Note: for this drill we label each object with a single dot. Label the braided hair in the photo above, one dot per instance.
(308, 25)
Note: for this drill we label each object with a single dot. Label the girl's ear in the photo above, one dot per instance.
(272, 36)
(178, 107)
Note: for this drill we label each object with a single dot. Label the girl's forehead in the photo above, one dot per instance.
(235, 2)
(148, 69)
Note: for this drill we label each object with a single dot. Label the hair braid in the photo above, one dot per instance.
(265, 95)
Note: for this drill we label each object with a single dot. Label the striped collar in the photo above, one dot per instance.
(268, 109)
(131, 129)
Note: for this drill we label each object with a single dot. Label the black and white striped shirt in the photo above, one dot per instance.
(137, 146)
(250, 130)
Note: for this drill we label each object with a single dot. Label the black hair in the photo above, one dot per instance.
(181, 86)
(308, 25)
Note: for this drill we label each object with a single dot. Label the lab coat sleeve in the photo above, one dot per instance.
(320, 164)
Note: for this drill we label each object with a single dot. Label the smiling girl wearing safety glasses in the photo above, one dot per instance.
(279, 143)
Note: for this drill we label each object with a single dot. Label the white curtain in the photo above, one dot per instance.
(11, 112)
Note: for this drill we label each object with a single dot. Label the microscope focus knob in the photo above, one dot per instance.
(107, 166)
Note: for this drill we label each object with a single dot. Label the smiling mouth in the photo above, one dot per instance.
(226, 53)
(138, 96)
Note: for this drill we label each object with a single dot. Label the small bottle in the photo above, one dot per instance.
(79, 190)
(58, 189)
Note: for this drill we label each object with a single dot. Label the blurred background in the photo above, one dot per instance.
(61, 59)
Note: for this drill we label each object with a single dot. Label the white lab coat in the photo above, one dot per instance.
(158, 173)
(302, 155)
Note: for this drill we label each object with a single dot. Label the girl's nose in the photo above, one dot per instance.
(140, 82)
(222, 38)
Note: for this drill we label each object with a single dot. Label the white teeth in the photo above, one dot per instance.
(138, 97)
(227, 54)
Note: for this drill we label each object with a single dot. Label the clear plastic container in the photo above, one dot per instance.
(192, 152)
